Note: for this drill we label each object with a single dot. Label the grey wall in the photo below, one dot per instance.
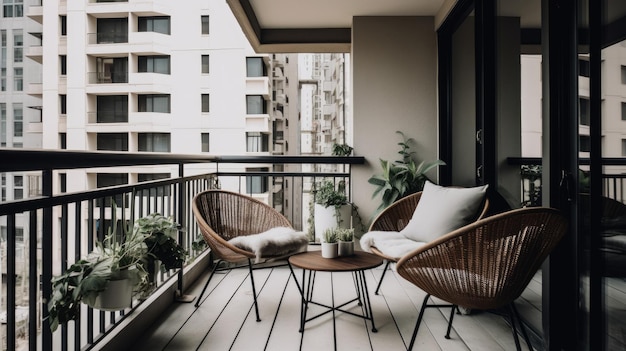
(394, 88)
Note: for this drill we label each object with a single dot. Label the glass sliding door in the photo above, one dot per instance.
(602, 164)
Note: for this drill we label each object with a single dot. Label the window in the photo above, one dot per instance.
(205, 103)
(18, 122)
(111, 70)
(112, 30)
(584, 111)
(18, 79)
(18, 187)
(63, 141)
(63, 182)
(255, 67)
(112, 179)
(623, 111)
(112, 142)
(18, 46)
(146, 177)
(205, 24)
(112, 109)
(585, 143)
(256, 184)
(63, 24)
(13, 8)
(63, 64)
(63, 104)
(159, 24)
(3, 125)
(154, 142)
(583, 68)
(255, 105)
(154, 64)
(205, 142)
(154, 103)
(205, 64)
(3, 197)
(623, 74)
(623, 147)
(257, 142)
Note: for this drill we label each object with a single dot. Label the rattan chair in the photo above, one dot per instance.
(395, 217)
(485, 265)
(223, 215)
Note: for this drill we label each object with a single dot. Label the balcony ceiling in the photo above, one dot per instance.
(283, 26)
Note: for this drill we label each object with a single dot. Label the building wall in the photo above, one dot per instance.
(394, 66)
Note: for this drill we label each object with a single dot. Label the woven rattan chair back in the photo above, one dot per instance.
(222, 215)
(487, 264)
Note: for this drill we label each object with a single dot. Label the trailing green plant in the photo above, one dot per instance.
(160, 240)
(327, 195)
(115, 257)
(86, 278)
(329, 236)
(401, 177)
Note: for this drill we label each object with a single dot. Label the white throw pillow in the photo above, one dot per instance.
(442, 210)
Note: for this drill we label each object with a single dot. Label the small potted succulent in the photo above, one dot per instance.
(345, 239)
(330, 246)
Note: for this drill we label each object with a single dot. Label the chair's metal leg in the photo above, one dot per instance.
(382, 277)
(454, 307)
(207, 282)
(419, 320)
(256, 306)
(518, 347)
(521, 326)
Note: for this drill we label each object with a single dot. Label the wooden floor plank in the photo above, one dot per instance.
(226, 319)
(235, 314)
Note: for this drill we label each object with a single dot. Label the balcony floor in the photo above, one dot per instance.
(226, 321)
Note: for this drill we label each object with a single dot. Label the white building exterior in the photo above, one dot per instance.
(149, 76)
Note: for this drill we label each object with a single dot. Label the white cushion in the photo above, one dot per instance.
(392, 244)
(442, 210)
(278, 241)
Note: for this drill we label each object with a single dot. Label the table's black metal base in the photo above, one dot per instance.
(362, 298)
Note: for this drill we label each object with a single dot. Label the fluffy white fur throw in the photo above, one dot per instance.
(392, 244)
(278, 241)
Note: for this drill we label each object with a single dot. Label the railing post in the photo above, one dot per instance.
(46, 259)
(182, 211)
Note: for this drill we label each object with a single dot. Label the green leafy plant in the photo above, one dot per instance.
(160, 241)
(112, 259)
(326, 194)
(342, 149)
(402, 177)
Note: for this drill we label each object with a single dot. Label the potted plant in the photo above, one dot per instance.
(332, 209)
(329, 244)
(116, 269)
(345, 239)
(163, 250)
(402, 177)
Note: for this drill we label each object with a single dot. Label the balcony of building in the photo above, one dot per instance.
(35, 12)
(166, 319)
(35, 53)
(35, 89)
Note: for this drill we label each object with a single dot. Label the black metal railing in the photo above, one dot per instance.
(46, 234)
(613, 179)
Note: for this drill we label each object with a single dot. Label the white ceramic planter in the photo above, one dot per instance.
(330, 250)
(345, 248)
(325, 219)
